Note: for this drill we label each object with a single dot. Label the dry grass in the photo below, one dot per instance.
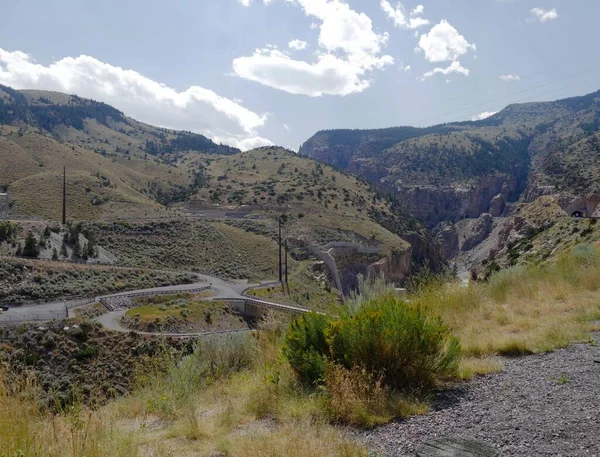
(523, 309)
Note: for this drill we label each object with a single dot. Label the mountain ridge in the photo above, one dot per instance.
(453, 170)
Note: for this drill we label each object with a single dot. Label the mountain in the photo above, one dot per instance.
(119, 168)
(460, 170)
(116, 166)
(96, 125)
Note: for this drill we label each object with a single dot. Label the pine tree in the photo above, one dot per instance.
(54, 254)
(63, 250)
(77, 249)
(31, 248)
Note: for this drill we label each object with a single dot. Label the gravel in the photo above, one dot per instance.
(540, 405)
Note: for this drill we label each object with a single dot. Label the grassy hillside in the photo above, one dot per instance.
(116, 166)
(322, 204)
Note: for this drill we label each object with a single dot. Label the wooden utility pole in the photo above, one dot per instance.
(64, 199)
(280, 260)
(286, 266)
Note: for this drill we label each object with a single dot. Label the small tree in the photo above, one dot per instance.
(54, 254)
(63, 250)
(31, 248)
(77, 249)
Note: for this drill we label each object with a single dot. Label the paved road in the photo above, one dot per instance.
(56, 309)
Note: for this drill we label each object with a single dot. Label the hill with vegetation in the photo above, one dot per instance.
(453, 171)
(116, 166)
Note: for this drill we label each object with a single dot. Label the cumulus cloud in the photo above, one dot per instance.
(454, 67)
(510, 78)
(297, 45)
(349, 50)
(398, 15)
(197, 109)
(542, 15)
(245, 2)
(443, 43)
(484, 115)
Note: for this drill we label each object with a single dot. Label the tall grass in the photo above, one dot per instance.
(522, 309)
(26, 430)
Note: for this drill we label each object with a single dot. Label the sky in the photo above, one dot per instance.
(258, 72)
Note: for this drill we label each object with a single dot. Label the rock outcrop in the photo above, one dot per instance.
(446, 236)
(433, 205)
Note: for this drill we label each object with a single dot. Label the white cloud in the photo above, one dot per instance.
(287, 127)
(443, 43)
(349, 49)
(484, 115)
(297, 45)
(245, 2)
(197, 109)
(398, 15)
(454, 67)
(330, 75)
(542, 15)
(245, 144)
(510, 78)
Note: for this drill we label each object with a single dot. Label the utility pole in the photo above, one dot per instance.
(286, 266)
(64, 199)
(280, 262)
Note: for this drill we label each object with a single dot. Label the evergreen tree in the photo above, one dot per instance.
(54, 254)
(77, 249)
(19, 250)
(63, 250)
(31, 248)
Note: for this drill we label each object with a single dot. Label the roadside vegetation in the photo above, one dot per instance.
(24, 280)
(183, 313)
(380, 358)
(207, 247)
(522, 309)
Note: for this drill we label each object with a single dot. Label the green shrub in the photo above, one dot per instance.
(403, 345)
(306, 347)
(409, 347)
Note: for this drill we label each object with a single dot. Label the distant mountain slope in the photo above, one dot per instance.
(116, 166)
(452, 171)
(96, 125)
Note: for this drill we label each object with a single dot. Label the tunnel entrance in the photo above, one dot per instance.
(577, 214)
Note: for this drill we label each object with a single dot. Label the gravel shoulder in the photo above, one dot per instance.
(540, 405)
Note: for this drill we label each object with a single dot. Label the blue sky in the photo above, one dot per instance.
(252, 72)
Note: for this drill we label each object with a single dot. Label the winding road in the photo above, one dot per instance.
(224, 290)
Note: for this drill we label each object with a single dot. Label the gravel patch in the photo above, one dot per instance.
(540, 405)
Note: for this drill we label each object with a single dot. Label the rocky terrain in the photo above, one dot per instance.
(511, 410)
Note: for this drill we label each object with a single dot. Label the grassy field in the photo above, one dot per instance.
(523, 309)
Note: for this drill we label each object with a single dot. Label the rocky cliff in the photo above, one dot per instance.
(465, 169)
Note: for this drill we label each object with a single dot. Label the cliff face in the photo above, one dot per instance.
(434, 205)
(395, 268)
(449, 172)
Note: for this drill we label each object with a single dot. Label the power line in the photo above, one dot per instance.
(505, 96)
(552, 91)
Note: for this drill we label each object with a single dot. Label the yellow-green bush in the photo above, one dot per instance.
(406, 346)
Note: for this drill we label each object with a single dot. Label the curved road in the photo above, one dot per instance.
(223, 290)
